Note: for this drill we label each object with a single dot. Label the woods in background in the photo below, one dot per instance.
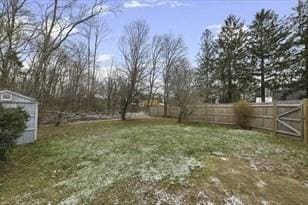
(243, 62)
(48, 50)
(51, 55)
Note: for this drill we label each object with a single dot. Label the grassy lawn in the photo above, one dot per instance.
(155, 162)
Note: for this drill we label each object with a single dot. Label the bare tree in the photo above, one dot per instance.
(155, 66)
(173, 49)
(112, 83)
(134, 49)
(76, 76)
(182, 87)
(100, 32)
(59, 20)
(94, 32)
(41, 56)
(14, 39)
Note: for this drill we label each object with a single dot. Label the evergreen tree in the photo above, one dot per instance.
(300, 22)
(268, 49)
(206, 63)
(234, 73)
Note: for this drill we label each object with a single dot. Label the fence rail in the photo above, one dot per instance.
(284, 117)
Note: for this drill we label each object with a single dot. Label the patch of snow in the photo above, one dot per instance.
(137, 115)
(72, 200)
(215, 180)
(168, 167)
(84, 164)
(164, 197)
(203, 199)
(306, 183)
(234, 171)
(233, 200)
(217, 153)
(253, 166)
(260, 184)
(280, 150)
(93, 176)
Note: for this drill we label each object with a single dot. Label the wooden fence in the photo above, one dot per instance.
(285, 117)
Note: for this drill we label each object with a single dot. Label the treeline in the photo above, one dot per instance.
(49, 50)
(245, 62)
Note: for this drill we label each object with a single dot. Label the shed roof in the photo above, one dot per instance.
(17, 94)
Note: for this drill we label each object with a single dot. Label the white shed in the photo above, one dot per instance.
(30, 105)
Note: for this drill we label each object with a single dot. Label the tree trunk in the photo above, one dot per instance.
(223, 94)
(229, 85)
(149, 101)
(262, 81)
(306, 65)
(124, 110)
(180, 117)
(89, 68)
(108, 105)
(165, 107)
(3, 81)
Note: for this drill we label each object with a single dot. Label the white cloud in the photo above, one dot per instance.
(153, 3)
(175, 3)
(62, 27)
(135, 4)
(105, 61)
(105, 57)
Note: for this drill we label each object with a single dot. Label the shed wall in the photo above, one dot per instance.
(31, 107)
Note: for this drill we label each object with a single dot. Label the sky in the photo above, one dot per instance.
(185, 18)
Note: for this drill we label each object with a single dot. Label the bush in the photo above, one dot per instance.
(243, 111)
(12, 124)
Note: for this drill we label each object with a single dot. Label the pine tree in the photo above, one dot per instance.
(269, 50)
(233, 70)
(300, 22)
(206, 63)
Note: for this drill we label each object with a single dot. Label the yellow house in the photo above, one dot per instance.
(154, 102)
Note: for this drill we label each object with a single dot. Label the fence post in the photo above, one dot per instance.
(305, 119)
(274, 117)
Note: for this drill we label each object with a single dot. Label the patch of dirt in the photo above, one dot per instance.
(236, 178)
(217, 185)
(299, 172)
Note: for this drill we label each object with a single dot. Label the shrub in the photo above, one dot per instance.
(12, 124)
(243, 111)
